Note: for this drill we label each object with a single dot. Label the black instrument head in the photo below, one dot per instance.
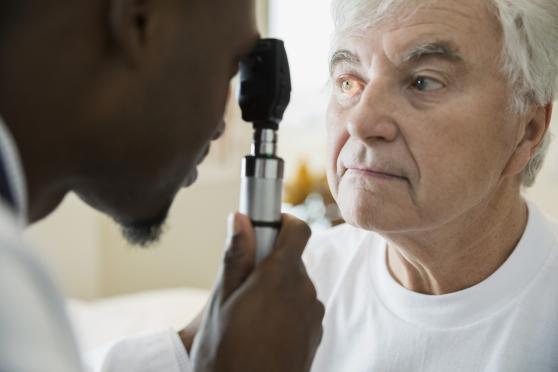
(265, 84)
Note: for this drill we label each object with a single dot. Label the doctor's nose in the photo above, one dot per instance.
(372, 118)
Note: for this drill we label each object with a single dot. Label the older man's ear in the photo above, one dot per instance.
(530, 137)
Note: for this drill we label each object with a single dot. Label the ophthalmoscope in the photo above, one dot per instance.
(264, 93)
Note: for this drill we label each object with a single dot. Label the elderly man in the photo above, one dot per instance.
(439, 115)
(117, 100)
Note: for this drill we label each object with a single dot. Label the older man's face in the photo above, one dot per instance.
(418, 127)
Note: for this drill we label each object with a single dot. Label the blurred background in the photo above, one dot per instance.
(86, 253)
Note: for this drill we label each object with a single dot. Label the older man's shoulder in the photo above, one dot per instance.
(553, 223)
(546, 224)
(552, 226)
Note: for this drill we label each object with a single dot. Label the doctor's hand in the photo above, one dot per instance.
(264, 317)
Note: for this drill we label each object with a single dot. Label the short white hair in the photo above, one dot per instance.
(529, 56)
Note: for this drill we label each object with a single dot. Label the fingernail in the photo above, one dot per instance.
(233, 227)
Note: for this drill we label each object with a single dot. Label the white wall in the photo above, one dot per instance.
(190, 250)
(68, 241)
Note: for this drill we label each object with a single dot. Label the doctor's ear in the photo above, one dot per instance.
(129, 22)
(530, 138)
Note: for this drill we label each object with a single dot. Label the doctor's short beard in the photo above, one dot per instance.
(144, 233)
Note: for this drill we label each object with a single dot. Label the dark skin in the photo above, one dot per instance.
(143, 107)
(281, 337)
(117, 100)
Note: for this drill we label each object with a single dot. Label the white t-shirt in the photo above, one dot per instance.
(507, 323)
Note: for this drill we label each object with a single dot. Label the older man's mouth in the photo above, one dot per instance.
(377, 173)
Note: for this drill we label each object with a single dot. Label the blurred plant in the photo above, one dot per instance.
(307, 197)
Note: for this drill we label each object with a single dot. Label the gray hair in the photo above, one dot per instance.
(529, 54)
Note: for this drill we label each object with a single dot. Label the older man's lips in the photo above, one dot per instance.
(375, 173)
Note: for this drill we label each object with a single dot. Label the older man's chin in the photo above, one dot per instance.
(369, 217)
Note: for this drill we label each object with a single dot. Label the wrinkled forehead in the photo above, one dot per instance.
(353, 16)
(356, 17)
(462, 27)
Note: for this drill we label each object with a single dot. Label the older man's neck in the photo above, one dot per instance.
(455, 258)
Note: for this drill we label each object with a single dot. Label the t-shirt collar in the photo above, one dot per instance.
(475, 303)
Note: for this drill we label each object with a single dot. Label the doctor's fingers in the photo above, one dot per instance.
(240, 253)
(292, 238)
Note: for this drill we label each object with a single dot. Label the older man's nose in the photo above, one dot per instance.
(372, 118)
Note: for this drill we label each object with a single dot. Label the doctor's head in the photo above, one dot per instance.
(437, 108)
(118, 100)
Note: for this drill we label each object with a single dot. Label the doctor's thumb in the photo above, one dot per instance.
(240, 254)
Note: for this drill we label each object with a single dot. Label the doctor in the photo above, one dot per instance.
(117, 101)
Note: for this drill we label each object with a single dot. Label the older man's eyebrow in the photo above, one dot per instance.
(438, 49)
(340, 57)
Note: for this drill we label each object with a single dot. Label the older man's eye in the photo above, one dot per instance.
(349, 86)
(424, 84)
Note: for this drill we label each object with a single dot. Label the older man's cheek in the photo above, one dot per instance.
(336, 138)
(331, 168)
